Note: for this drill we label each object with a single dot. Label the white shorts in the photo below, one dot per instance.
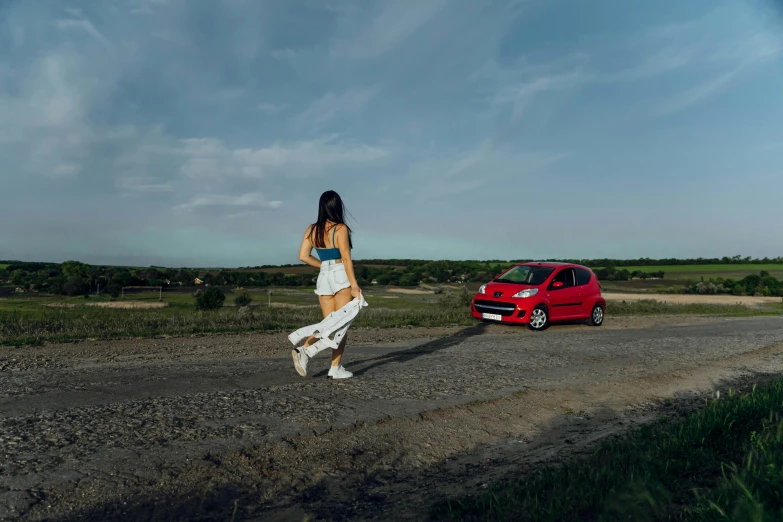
(331, 279)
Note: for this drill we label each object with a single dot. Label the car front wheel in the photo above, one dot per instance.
(539, 319)
(596, 316)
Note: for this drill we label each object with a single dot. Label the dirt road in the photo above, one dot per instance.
(221, 427)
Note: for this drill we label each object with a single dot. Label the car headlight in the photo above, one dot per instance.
(528, 292)
(482, 289)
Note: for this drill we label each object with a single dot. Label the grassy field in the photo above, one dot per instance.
(676, 277)
(722, 463)
(35, 318)
(696, 272)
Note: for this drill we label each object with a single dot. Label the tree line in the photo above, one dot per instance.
(76, 278)
(609, 262)
(762, 284)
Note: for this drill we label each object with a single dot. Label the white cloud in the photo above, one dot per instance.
(142, 184)
(331, 106)
(713, 54)
(484, 165)
(272, 107)
(86, 26)
(669, 59)
(392, 24)
(213, 159)
(521, 94)
(698, 93)
(248, 201)
(700, 51)
(65, 170)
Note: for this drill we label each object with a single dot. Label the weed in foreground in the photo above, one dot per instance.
(722, 463)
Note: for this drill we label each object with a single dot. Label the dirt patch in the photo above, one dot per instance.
(129, 304)
(211, 427)
(292, 305)
(694, 298)
(410, 291)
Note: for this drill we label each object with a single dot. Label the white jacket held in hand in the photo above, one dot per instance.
(331, 330)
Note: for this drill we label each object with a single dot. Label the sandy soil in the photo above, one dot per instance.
(690, 298)
(410, 291)
(222, 428)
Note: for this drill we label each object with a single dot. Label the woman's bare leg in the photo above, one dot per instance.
(327, 303)
(341, 298)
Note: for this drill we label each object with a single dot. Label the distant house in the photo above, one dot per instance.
(198, 281)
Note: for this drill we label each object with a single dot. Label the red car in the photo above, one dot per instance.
(537, 294)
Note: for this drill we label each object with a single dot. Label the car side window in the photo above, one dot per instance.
(565, 276)
(582, 276)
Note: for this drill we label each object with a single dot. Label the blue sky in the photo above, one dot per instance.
(202, 132)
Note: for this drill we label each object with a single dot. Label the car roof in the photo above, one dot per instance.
(550, 264)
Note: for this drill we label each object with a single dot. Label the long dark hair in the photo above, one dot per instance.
(330, 208)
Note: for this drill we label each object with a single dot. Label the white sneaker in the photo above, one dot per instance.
(338, 372)
(300, 361)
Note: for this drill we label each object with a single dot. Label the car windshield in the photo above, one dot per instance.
(526, 275)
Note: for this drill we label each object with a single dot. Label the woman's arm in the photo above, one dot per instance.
(306, 250)
(343, 243)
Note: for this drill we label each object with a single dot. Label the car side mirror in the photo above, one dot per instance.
(558, 284)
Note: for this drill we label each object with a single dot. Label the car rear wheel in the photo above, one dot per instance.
(596, 316)
(539, 319)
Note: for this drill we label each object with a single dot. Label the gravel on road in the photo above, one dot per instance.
(221, 427)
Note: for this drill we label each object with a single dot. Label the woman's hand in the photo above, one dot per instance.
(355, 291)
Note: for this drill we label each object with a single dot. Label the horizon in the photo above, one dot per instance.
(736, 259)
(166, 133)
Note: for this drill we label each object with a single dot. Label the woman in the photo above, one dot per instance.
(336, 285)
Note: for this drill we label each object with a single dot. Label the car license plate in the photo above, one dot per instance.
(492, 317)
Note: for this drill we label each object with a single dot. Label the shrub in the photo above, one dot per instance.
(74, 286)
(454, 301)
(212, 299)
(243, 299)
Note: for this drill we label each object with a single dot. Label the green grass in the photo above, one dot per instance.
(61, 325)
(694, 273)
(659, 286)
(33, 320)
(3, 266)
(722, 463)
